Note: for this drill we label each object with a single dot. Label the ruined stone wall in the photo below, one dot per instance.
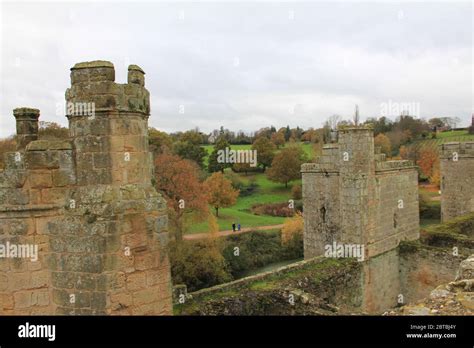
(89, 204)
(321, 196)
(357, 175)
(397, 206)
(381, 283)
(422, 269)
(353, 196)
(457, 179)
(32, 190)
(317, 286)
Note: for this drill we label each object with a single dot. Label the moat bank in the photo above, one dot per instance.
(326, 286)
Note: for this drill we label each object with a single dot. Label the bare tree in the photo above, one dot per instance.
(333, 121)
(356, 116)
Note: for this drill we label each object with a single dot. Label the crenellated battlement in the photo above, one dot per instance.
(94, 91)
(83, 201)
(384, 165)
(456, 149)
(333, 155)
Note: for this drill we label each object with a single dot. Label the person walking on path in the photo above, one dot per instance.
(233, 227)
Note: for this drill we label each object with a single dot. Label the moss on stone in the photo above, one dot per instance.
(262, 285)
(463, 225)
(43, 145)
(93, 64)
(314, 273)
(135, 67)
(409, 246)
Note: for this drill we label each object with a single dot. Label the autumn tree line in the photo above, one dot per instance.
(197, 186)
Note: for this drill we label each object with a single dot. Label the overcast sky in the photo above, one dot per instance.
(246, 65)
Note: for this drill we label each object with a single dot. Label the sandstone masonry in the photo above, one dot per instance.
(457, 179)
(353, 196)
(88, 204)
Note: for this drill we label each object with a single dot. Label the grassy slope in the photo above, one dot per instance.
(444, 137)
(267, 192)
(435, 202)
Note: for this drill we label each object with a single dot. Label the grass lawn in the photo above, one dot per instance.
(267, 192)
(455, 133)
(444, 137)
(433, 194)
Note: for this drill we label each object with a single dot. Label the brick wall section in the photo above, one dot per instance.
(89, 204)
(457, 179)
(353, 196)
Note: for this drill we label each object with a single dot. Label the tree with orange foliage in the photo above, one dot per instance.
(292, 228)
(384, 142)
(278, 138)
(178, 180)
(286, 165)
(404, 153)
(220, 191)
(435, 177)
(428, 161)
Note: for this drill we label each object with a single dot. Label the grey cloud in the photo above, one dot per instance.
(324, 59)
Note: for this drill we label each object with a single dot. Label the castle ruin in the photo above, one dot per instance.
(87, 204)
(457, 179)
(353, 196)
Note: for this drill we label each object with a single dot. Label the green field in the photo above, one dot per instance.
(443, 137)
(266, 192)
(435, 207)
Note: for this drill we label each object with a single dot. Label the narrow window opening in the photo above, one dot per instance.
(322, 212)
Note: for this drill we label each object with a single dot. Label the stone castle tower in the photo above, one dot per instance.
(353, 196)
(88, 204)
(457, 179)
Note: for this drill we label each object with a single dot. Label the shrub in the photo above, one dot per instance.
(273, 209)
(292, 228)
(428, 208)
(258, 249)
(297, 192)
(239, 184)
(197, 264)
(52, 131)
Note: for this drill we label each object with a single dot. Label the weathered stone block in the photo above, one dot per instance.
(40, 179)
(22, 299)
(62, 178)
(40, 298)
(136, 281)
(19, 280)
(39, 279)
(42, 159)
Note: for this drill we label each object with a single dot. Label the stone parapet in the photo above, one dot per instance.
(394, 165)
(94, 91)
(457, 149)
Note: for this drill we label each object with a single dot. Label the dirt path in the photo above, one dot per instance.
(229, 232)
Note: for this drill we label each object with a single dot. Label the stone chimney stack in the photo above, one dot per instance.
(26, 126)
